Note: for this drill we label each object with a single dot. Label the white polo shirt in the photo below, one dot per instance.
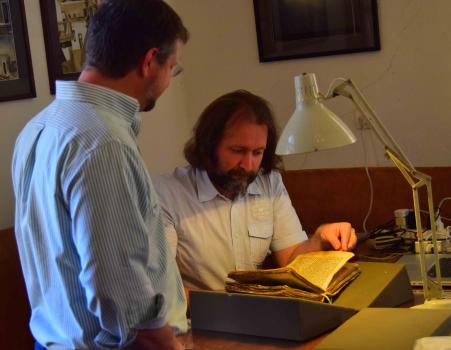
(212, 235)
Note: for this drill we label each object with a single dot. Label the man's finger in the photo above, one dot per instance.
(334, 242)
(353, 240)
(344, 233)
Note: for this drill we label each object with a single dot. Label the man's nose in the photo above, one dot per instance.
(247, 162)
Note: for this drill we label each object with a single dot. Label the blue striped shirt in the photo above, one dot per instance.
(88, 225)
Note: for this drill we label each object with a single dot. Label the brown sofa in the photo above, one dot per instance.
(321, 195)
(14, 307)
(330, 195)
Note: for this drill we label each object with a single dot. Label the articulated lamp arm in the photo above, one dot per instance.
(351, 91)
(432, 288)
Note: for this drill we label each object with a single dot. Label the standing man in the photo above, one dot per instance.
(97, 267)
(229, 207)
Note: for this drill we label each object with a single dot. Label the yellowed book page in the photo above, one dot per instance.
(320, 267)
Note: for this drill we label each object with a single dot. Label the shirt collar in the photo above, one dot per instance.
(207, 191)
(253, 188)
(115, 102)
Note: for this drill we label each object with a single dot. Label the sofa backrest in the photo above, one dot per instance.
(14, 306)
(332, 195)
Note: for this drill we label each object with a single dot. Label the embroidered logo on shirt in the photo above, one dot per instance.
(261, 210)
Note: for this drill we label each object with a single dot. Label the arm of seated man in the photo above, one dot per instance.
(334, 236)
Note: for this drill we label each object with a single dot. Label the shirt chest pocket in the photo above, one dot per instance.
(260, 236)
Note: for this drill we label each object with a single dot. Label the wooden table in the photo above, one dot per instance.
(207, 340)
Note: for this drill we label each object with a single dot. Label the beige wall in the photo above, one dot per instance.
(412, 69)
(163, 132)
(407, 82)
(14, 114)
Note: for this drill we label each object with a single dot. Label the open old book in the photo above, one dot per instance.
(316, 275)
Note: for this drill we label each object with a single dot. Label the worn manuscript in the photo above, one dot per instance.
(316, 275)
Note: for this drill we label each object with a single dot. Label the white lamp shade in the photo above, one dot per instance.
(312, 127)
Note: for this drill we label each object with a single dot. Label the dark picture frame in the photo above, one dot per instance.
(289, 29)
(16, 71)
(64, 24)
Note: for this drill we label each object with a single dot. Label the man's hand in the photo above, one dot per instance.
(336, 236)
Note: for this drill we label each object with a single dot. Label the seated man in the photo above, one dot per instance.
(229, 207)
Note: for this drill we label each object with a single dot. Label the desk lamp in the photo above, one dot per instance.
(313, 127)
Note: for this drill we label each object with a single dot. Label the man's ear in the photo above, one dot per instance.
(149, 62)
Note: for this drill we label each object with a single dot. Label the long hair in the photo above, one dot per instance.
(200, 150)
(121, 32)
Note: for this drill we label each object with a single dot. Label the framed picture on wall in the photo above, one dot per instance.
(65, 24)
(16, 71)
(289, 29)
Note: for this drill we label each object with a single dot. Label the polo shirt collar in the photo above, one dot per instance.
(253, 188)
(205, 189)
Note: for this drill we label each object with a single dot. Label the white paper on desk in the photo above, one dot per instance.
(433, 343)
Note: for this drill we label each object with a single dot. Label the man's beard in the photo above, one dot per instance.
(234, 181)
(149, 105)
